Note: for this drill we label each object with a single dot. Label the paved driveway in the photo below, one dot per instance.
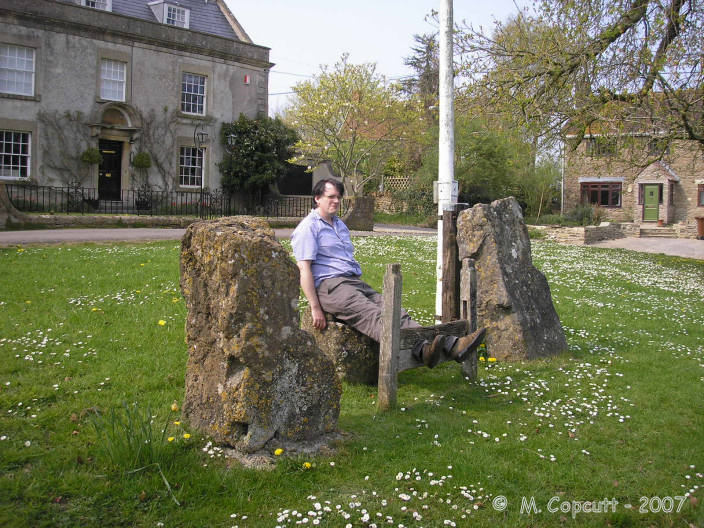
(137, 234)
(680, 247)
(670, 246)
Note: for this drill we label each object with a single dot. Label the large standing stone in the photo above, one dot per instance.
(253, 377)
(513, 297)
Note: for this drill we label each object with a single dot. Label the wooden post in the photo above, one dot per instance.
(468, 300)
(450, 275)
(390, 337)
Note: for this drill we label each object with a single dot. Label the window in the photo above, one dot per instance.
(104, 5)
(607, 194)
(112, 80)
(193, 94)
(658, 147)
(14, 154)
(601, 147)
(176, 16)
(700, 194)
(191, 167)
(16, 69)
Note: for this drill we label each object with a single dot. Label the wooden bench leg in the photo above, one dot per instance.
(390, 337)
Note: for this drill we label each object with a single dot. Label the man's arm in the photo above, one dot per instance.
(308, 286)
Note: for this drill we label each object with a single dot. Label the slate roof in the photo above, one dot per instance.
(205, 17)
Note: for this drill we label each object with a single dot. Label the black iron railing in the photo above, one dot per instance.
(149, 202)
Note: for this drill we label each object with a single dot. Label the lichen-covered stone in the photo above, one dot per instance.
(356, 356)
(360, 214)
(513, 297)
(253, 376)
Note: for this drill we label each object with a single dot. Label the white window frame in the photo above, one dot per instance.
(17, 160)
(190, 98)
(101, 5)
(108, 80)
(176, 20)
(189, 172)
(12, 66)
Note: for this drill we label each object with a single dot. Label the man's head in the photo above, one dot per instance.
(328, 195)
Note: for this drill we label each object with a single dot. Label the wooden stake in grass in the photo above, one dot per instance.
(390, 337)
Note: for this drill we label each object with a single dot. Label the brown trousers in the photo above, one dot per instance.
(357, 304)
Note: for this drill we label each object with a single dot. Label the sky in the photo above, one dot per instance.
(303, 34)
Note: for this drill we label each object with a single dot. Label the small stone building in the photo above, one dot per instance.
(637, 182)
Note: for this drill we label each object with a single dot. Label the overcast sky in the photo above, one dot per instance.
(303, 34)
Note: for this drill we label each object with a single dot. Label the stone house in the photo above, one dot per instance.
(637, 178)
(123, 77)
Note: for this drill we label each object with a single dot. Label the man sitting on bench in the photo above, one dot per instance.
(330, 279)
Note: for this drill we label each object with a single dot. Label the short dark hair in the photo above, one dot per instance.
(319, 188)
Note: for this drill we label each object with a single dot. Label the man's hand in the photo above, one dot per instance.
(308, 287)
(319, 321)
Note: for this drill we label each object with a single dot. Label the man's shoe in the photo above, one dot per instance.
(432, 352)
(463, 346)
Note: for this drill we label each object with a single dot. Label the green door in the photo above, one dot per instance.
(651, 199)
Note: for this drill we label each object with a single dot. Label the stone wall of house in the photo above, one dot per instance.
(70, 42)
(685, 159)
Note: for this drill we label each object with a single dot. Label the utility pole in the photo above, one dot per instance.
(447, 185)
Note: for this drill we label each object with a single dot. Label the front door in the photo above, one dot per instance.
(651, 199)
(110, 171)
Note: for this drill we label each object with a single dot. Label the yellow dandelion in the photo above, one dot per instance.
(174, 406)
(175, 300)
(177, 422)
(492, 359)
(162, 322)
(481, 358)
(186, 435)
(278, 452)
(138, 291)
(141, 264)
(170, 439)
(307, 465)
(93, 309)
(28, 302)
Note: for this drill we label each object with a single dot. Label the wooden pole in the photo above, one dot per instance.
(468, 297)
(450, 271)
(390, 337)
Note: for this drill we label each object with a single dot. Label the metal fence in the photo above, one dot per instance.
(148, 202)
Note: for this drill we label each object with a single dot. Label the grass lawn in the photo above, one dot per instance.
(89, 329)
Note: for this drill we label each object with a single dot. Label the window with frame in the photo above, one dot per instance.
(112, 80)
(103, 5)
(658, 147)
(700, 194)
(193, 94)
(16, 69)
(176, 16)
(605, 194)
(191, 167)
(15, 151)
(601, 147)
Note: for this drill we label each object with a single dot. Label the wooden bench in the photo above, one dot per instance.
(359, 359)
(396, 344)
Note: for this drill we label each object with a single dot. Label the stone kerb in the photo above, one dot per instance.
(254, 379)
(513, 297)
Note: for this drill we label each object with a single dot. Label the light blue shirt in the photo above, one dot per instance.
(328, 247)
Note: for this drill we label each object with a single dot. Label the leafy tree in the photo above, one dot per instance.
(348, 115)
(258, 154)
(625, 64)
(538, 188)
(488, 161)
(425, 84)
